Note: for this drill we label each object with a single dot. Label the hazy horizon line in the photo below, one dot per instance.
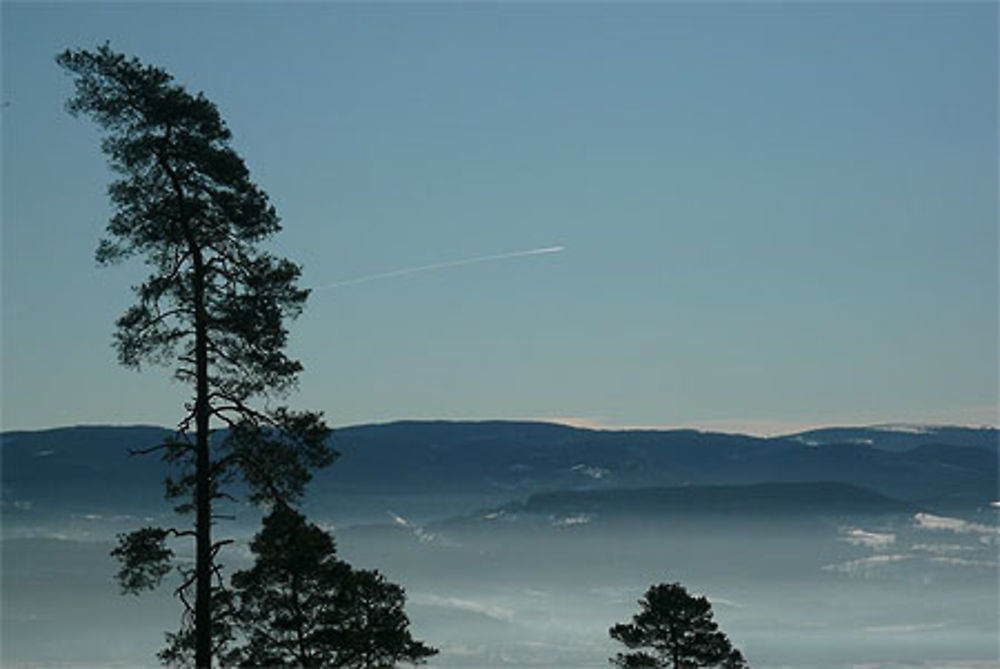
(763, 428)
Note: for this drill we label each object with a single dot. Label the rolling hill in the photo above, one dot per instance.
(88, 469)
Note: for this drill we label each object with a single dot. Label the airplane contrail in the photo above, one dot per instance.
(441, 265)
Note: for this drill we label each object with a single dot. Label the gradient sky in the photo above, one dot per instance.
(774, 214)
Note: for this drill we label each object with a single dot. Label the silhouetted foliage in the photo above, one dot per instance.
(734, 660)
(181, 645)
(145, 559)
(300, 606)
(213, 308)
(676, 630)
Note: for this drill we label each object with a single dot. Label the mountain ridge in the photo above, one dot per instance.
(490, 462)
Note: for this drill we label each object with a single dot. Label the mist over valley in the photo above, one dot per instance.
(520, 544)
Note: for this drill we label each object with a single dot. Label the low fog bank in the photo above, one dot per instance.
(514, 589)
(520, 544)
(806, 592)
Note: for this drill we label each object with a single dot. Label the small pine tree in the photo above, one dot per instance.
(299, 605)
(678, 632)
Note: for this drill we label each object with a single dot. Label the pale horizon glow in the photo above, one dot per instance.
(441, 265)
(763, 428)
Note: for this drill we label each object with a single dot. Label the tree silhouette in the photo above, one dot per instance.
(213, 308)
(678, 631)
(298, 605)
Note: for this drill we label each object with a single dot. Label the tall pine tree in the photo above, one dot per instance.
(213, 308)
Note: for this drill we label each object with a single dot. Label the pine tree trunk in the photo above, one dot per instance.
(203, 501)
(203, 482)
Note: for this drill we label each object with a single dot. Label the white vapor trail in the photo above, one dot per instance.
(442, 265)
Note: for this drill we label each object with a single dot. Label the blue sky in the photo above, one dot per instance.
(774, 215)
